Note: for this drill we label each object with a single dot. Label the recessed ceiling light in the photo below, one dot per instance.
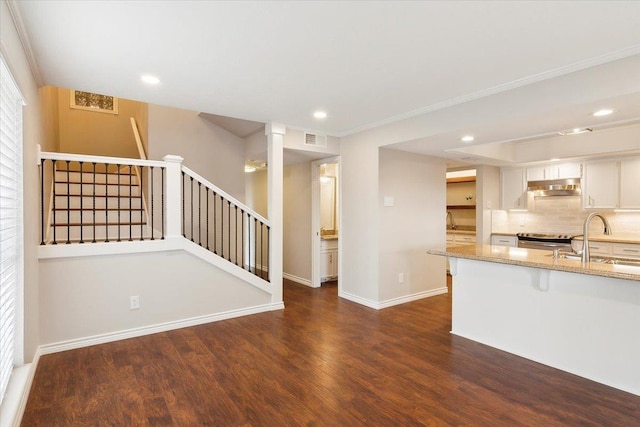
(320, 115)
(603, 112)
(149, 79)
(575, 131)
(467, 138)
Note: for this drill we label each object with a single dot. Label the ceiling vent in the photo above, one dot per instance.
(315, 140)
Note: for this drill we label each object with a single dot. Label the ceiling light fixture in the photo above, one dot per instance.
(249, 169)
(467, 138)
(603, 112)
(149, 79)
(575, 131)
(320, 115)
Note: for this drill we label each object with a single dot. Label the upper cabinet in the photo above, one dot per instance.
(513, 188)
(630, 183)
(612, 184)
(555, 171)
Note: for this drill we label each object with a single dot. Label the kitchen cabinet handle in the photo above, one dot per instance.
(635, 251)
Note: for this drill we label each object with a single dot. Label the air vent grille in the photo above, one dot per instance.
(315, 140)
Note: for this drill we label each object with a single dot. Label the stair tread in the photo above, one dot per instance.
(87, 209)
(97, 196)
(97, 224)
(122, 184)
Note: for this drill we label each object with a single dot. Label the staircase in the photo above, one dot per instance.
(90, 206)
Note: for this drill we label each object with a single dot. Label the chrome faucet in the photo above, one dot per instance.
(586, 256)
(453, 224)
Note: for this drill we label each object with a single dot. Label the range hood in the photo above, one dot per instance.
(555, 187)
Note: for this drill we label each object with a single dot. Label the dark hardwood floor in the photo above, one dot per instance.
(322, 361)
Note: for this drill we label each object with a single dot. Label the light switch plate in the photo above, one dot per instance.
(388, 201)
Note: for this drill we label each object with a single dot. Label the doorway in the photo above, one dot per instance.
(325, 221)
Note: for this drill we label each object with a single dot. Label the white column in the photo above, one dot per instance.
(275, 141)
(173, 196)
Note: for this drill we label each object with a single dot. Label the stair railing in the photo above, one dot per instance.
(223, 225)
(99, 199)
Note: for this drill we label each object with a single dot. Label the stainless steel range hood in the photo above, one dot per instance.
(555, 187)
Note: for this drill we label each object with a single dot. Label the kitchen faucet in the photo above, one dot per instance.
(453, 224)
(586, 256)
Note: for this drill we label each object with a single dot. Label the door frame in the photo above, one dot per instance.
(315, 218)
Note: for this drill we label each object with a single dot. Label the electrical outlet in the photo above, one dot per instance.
(134, 302)
(401, 278)
(488, 204)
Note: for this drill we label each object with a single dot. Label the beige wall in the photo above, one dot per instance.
(15, 57)
(102, 134)
(207, 149)
(297, 221)
(89, 296)
(414, 224)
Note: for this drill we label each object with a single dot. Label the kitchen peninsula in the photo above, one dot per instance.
(580, 318)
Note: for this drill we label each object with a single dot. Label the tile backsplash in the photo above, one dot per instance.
(562, 215)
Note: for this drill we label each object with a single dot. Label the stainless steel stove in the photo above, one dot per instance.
(545, 241)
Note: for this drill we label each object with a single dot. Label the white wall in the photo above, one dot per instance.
(414, 224)
(14, 55)
(207, 149)
(359, 218)
(89, 296)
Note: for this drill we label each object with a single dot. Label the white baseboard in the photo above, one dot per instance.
(153, 329)
(297, 279)
(15, 400)
(393, 301)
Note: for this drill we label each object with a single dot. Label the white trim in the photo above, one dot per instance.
(300, 280)
(18, 22)
(154, 329)
(222, 193)
(122, 161)
(15, 402)
(412, 297)
(514, 84)
(393, 301)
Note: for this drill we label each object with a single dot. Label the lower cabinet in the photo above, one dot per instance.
(502, 240)
(460, 239)
(328, 260)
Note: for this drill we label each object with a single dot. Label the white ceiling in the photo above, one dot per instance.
(500, 70)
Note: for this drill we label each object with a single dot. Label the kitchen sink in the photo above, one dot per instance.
(627, 262)
(614, 261)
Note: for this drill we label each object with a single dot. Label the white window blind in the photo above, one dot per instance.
(10, 221)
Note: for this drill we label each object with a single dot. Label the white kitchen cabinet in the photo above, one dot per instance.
(630, 183)
(554, 171)
(328, 260)
(600, 187)
(513, 187)
(501, 240)
(625, 250)
(460, 239)
(595, 248)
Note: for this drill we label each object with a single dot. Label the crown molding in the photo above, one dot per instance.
(16, 17)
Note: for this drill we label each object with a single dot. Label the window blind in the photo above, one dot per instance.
(10, 220)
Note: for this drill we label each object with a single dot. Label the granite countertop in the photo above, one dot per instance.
(537, 258)
(614, 238)
(459, 231)
(503, 234)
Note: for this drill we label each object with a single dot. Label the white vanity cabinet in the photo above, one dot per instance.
(328, 260)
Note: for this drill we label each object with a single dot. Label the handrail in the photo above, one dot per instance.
(136, 135)
(225, 195)
(100, 159)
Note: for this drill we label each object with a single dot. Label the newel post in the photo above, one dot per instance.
(275, 145)
(173, 194)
